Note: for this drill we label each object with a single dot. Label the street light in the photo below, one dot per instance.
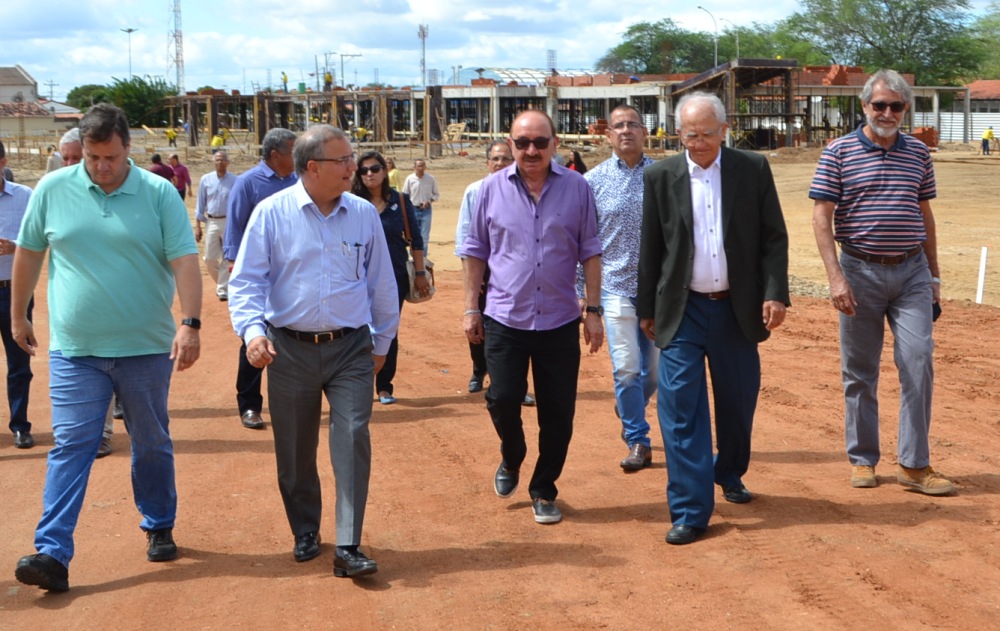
(716, 26)
(736, 30)
(129, 30)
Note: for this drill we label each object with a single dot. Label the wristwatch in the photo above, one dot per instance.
(599, 310)
(420, 272)
(194, 323)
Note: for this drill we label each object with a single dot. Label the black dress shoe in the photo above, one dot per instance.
(23, 440)
(475, 384)
(505, 481)
(118, 412)
(160, 545)
(43, 571)
(682, 534)
(737, 494)
(349, 563)
(306, 546)
(252, 420)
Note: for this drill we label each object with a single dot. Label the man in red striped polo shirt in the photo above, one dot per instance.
(872, 192)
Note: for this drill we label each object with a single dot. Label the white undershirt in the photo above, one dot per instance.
(710, 273)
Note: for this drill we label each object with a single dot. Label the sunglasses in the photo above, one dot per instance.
(540, 143)
(375, 168)
(895, 106)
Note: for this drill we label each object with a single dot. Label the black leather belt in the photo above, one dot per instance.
(216, 216)
(894, 259)
(712, 295)
(321, 337)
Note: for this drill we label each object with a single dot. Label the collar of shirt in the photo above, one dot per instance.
(129, 187)
(869, 145)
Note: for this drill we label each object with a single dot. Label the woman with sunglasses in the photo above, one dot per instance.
(371, 182)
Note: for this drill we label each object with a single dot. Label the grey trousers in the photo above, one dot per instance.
(900, 294)
(300, 374)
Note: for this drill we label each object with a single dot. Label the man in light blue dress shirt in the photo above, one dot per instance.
(313, 296)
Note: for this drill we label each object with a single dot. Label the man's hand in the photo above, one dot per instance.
(773, 314)
(261, 352)
(593, 331)
(842, 296)
(648, 326)
(197, 231)
(186, 347)
(473, 324)
(24, 334)
(379, 362)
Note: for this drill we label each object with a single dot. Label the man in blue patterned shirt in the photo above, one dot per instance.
(617, 186)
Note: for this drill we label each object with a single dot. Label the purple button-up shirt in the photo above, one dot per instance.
(532, 249)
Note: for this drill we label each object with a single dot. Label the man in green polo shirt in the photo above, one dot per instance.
(118, 238)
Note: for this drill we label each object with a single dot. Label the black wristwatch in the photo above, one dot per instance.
(194, 323)
(420, 272)
(599, 310)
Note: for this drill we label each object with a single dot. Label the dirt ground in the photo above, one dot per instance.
(809, 552)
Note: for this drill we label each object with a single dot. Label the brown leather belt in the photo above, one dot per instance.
(322, 337)
(894, 259)
(712, 295)
(4, 284)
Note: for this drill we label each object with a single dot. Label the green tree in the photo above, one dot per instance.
(933, 39)
(658, 48)
(82, 97)
(143, 99)
(987, 28)
(769, 41)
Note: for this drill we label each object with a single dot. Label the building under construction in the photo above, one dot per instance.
(771, 103)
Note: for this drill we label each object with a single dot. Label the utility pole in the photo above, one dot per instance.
(129, 30)
(51, 85)
(736, 31)
(326, 65)
(715, 25)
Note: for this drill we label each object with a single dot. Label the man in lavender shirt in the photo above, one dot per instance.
(533, 222)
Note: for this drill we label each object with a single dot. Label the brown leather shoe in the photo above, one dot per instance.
(639, 457)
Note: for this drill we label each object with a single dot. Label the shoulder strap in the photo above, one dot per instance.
(406, 218)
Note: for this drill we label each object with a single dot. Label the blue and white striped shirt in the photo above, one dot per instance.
(877, 192)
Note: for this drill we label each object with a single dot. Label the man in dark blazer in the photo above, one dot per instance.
(713, 283)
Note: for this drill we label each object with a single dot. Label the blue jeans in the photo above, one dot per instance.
(902, 295)
(633, 362)
(81, 389)
(424, 221)
(18, 368)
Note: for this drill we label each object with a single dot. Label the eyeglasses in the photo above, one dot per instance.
(895, 106)
(623, 125)
(540, 143)
(344, 160)
(375, 168)
(691, 137)
(503, 159)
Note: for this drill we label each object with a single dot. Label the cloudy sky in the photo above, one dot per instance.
(237, 43)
